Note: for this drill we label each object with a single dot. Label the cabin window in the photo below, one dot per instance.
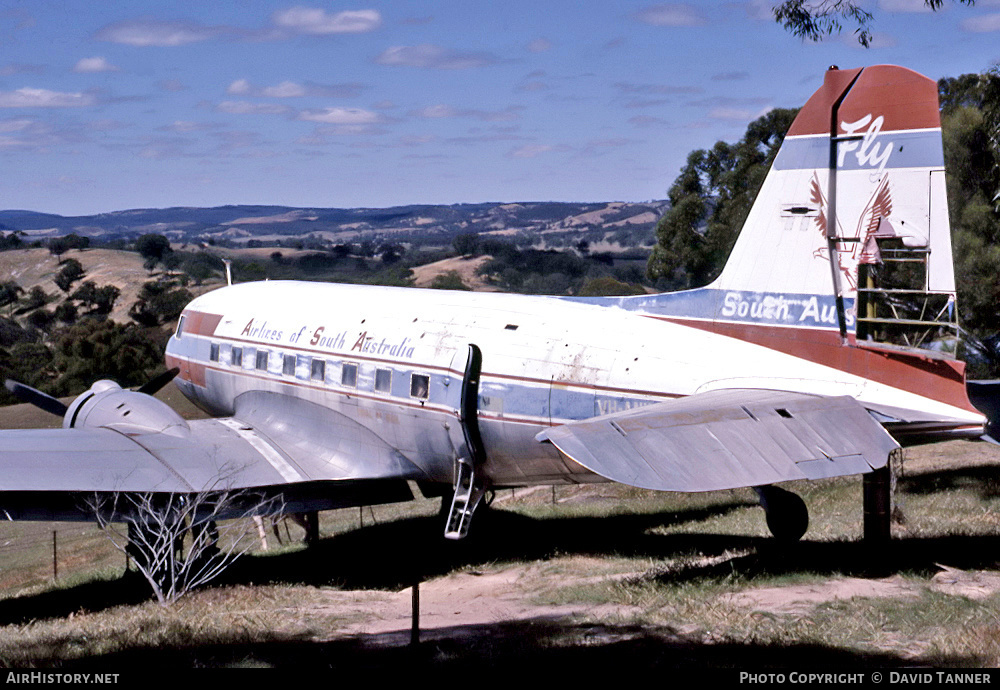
(317, 371)
(180, 325)
(288, 365)
(349, 375)
(383, 380)
(236, 357)
(261, 362)
(213, 352)
(420, 385)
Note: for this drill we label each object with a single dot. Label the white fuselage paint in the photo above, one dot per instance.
(545, 361)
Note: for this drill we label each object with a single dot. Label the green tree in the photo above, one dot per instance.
(93, 349)
(202, 266)
(35, 298)
(10, 241)
(973, 168)
(153, 248)
(466, 244)
(814, 19)
(9, 292)
(30, 363)
(449, 280)
(606, 286)
(99, 300)
(66, 312)
(159, 303)
(70, 272)
(710, 200)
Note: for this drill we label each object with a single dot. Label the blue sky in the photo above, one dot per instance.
(114, 105)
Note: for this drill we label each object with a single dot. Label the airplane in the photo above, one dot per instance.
(805, 359)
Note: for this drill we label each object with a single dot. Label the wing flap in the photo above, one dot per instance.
(727, 439)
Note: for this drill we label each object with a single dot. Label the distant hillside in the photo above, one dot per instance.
(555, 223)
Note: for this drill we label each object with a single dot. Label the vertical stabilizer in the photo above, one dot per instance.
(859, 179)
(845, 258)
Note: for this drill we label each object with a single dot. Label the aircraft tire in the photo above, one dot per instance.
(786, 513)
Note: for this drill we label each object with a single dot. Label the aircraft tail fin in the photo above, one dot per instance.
(856, 191)
(845, 257)
(849, 234)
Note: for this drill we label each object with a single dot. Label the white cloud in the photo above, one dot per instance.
(532, 86)
(531, 150)
(15, 125)
(317, 22)
(286, 89)
(29, 134)
(341, 116)
(247, 108)
(982, 24)
(539, 45)
(13, 68)
(762, 10)
(671, 14)
(291, 89)
(647, 121)
(656, 89)
(731, 114)
(186, 127)
(43, 98)
(434, 111)
(94, 64)
(438, 111)
(154, 32)
(416, 139)
(240, 87)
(731, 76)
(432, 57)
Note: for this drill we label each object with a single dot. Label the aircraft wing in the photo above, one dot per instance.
(727, 439)
(271, 442)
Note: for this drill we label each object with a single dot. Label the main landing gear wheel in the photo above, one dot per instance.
(787, 515)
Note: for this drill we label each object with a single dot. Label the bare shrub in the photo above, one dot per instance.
(181, 541)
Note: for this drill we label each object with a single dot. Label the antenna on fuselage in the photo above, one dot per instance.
(229, 271)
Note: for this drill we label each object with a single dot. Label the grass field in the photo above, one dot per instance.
(591, 576)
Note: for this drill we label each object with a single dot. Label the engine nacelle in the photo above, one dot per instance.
(106, 404)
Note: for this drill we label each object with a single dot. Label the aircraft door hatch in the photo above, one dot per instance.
(469, 482)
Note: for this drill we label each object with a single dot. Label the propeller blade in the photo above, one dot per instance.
(36, 397)
(158, 382)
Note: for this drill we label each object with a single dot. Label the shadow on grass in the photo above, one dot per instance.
(519, 646)
(983, 481)
(95, 595)
(391, 555)
(768, 558)
(395, 554)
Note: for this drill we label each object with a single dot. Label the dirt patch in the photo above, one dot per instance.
(462, 600)
(466, 268)
(798, 600)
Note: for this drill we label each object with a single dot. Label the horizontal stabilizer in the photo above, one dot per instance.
(728, 439)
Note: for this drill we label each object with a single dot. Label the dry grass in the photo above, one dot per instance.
(651, 577)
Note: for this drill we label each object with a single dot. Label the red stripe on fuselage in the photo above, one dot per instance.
(200, 323)
(940, 379)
